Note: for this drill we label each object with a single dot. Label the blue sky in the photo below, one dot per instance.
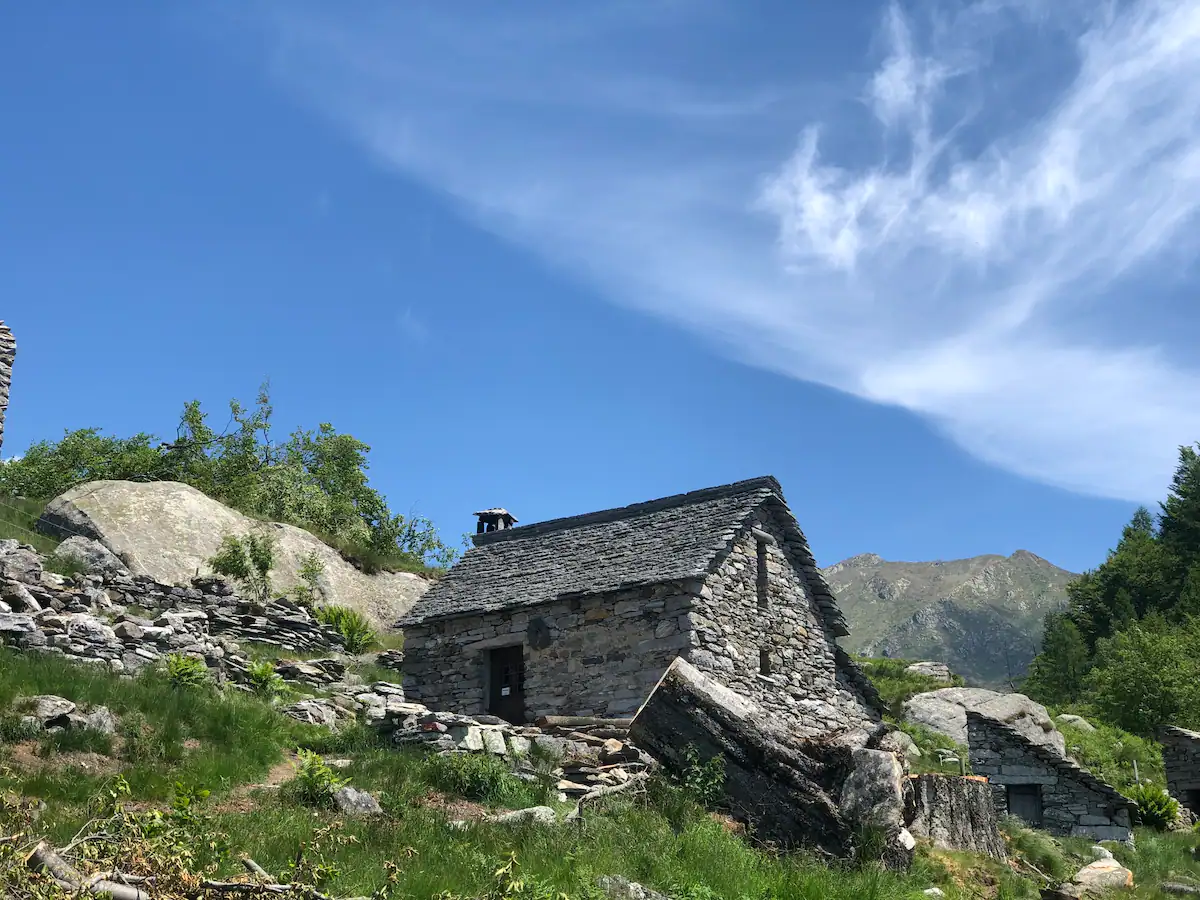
(932, 265)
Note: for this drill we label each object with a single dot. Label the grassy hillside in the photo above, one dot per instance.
(17, 520)
(144, 790)
(982, 616)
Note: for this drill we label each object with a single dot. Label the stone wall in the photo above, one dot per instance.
(8, 352)
(1181, 758)
(768, 641)
(127, 622)
(599, 655)
(1073, 801)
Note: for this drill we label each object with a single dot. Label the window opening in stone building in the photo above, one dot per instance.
(764, 661)
(762, 575)
(1025, 802)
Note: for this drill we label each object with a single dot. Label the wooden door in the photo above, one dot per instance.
(1025, 802)
(507, 684)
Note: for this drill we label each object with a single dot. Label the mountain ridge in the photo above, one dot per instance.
(981, 615)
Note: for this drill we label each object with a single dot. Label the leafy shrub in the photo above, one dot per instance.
(248, 560)
(314, 783)
(1155, 807)
(704, 781)
(186, 672)
(308, 592)
(480, 777)
(265, 681)
(352, 625)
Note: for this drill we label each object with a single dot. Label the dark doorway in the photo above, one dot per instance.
(507, 684)
(1025, 802)
(1191, 799)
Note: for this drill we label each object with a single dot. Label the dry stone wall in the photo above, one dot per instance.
(596, 655)
(1181, 758)
(126, 623)
(764, 637)
(1072, 801)
(8, 353)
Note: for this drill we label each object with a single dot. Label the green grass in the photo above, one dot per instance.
(701, 860)
(661, 839)
(169, 734)
(1110, 754)
(18, 519)
(929, 742)
(895, 685)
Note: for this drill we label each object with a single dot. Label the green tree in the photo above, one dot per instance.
(1180, 519)
(1058, 674)
(248, 560)
(1145, 677)
(315, 479)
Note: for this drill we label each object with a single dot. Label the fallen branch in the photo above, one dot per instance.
(45, 859)
(248, 887)
(606, 791)
(255, 869)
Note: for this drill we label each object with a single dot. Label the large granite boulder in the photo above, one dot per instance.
(93, 556)
(169, 531)
(945, 711)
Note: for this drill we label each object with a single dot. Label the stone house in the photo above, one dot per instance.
(1181, 758)
(583, 615)
(1037, 784)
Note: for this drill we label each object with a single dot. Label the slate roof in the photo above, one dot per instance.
(669, 539)
(1066, 767)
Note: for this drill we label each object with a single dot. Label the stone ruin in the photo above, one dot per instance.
(1181, 758)
(8, 353)
(1047, 790)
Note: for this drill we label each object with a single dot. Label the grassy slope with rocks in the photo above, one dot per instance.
(982, 616)
(173, 742)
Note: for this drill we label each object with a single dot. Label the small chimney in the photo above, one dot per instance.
(494, 520)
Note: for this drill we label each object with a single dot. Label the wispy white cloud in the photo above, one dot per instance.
(1007, 257)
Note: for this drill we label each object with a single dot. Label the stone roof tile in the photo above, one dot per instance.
(670, 539)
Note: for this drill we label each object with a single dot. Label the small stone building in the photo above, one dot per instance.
(582, 615)
(1181, 758)
(1035, 783)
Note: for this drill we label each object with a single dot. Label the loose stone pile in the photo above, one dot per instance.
(97, 618)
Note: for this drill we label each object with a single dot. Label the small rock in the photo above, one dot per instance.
(1102, 875)
(1177, 889)
(354, 802)
(616, 887)
(1101, 852)
(128, 631)
(542, 815)
(92, 555)
(1076, 722)
(101, 719)
(17, 597)
(934, 892)
(48, 708)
